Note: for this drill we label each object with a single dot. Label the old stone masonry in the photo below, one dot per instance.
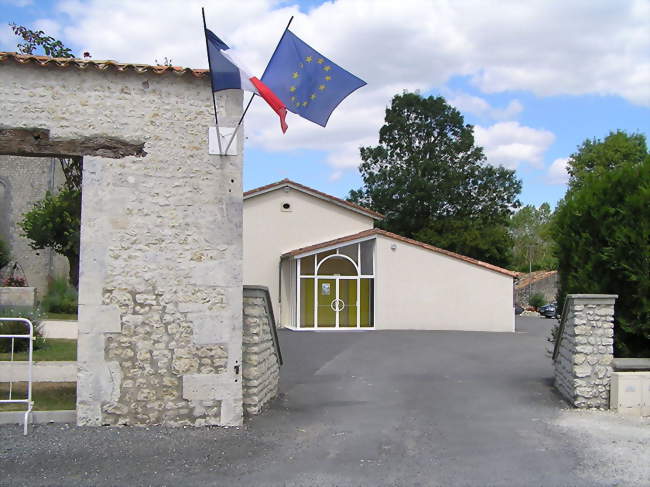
(585, 350)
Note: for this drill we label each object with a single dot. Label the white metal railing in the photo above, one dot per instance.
(30, 337)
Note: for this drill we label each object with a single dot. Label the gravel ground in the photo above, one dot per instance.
(612, 446)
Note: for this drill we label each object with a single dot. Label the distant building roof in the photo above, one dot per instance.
(313, 192)
(377, 231)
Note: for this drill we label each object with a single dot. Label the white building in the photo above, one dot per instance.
(327, 267)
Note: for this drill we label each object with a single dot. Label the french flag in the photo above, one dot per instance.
(227, 75)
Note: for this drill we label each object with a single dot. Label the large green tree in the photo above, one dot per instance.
(602, 233)
(532, 241)
(432, 182)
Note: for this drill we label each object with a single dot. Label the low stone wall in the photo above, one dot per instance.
(260, 357)
(17, 296)
(585, 351)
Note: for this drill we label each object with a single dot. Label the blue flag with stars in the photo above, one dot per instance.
(309, 84)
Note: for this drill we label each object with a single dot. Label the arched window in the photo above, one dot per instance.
(337, 265)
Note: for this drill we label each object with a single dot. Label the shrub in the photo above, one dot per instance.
(16, 328)
(537, 300)
(61, 297)
(12, 281)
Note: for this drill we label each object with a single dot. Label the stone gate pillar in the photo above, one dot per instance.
(585, 350)
(160, 298)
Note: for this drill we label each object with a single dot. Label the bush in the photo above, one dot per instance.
(61, 297)
(537, 300)
(16, 328)
(602, 231)
(5, 254)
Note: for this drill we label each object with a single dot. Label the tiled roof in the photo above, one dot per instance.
(313, 192)
(377, 231)
(90, 64)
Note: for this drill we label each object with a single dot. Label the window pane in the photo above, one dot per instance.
(307, 266)
(337, 266)
(351, 251)
(366, 302)
(306, 303)
(367, 254)
(322, 255)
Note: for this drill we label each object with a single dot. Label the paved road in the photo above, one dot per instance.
(364, 408)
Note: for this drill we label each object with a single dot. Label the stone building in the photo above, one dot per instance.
(160, 288)
(23, 182)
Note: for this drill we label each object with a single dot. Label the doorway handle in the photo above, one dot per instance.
(335, 304)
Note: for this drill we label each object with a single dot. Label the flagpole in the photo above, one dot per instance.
(214, 103)
(253, 95)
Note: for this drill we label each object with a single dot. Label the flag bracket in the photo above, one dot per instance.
(218, 140)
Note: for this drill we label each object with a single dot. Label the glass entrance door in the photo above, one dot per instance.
(326, 304)
(336, 303)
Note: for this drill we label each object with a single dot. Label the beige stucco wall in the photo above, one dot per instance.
(269, 232)
(417, 289)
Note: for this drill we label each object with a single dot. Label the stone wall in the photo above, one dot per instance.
(23, 182)
(539, 282)
(261, 360)
(584, 355)
(160, 299)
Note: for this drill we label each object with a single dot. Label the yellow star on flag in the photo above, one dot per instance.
(327, 78)
(313, 96)
(327, 68)
(320, 60)
(308, 59)
(292, 89)
(304, 103)
(295, 75)
(321, 87)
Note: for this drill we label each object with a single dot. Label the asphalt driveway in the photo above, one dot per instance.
(357, 408)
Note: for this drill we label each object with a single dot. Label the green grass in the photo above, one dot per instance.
(61, 316)
(47, 396)
(52, 350)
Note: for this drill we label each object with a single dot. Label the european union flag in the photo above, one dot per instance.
(308, 83)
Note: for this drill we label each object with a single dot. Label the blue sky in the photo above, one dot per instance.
(536, 78)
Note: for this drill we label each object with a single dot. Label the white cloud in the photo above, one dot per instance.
(548, 48)
(510, 144)
(557, 173)
(51, 27)
(480, 107)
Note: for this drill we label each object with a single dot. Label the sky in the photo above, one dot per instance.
(535, 78)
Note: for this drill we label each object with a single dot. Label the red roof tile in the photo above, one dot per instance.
(83, 64)
(377, 231)
(315, 192)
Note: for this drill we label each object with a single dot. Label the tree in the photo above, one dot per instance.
(602, 234)
(34, 39)
(432, 182)
(55, 222)
(598, 157)
(532, 241)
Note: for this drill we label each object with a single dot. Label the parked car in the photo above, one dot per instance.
(548, 310)
(518, 309)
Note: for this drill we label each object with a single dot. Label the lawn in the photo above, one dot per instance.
(52, 349)
(47, 396)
